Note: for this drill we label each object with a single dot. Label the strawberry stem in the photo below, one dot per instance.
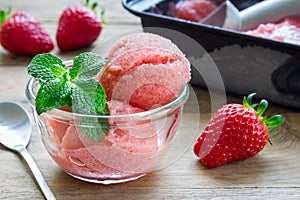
(270, 141)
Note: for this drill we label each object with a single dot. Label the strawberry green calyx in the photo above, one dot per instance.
(93, 7)
(273, 122)
(247, 102)
(4, 15)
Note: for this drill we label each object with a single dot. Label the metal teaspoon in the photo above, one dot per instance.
(15, 132)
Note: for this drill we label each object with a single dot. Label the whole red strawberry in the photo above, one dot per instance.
(78, 26)
(235, 132)
(23, 34)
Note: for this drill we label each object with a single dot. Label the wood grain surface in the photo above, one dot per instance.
(272, 174)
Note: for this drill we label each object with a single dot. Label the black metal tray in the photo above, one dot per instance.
(246, 63)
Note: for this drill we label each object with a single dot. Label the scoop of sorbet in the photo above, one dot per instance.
(194, 10)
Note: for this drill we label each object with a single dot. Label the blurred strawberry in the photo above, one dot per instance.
(235, 132)
(78, 26)
(23, 34)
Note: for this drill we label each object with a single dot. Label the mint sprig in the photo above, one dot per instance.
(72, 86)
(47, 67)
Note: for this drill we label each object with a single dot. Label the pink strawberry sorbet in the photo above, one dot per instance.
(153, 69)
(288, 30)
(194, 10)
(126, 151)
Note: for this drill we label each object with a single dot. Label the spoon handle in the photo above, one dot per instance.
(37, 174)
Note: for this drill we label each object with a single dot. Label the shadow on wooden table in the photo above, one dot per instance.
(238, 172)
(276, 165)
(67, 187)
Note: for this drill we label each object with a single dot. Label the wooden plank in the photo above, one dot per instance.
(272, 174)
(107, 193)
(49, 11)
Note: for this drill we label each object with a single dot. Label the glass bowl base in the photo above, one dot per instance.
(107, 181)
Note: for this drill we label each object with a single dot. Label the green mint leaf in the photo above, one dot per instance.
(86, 66)
(53, 94)
(46, 67)
(83, 97)
(100, 101)
(75, 87)
(88, 97)
(94, 128)
(91, 99)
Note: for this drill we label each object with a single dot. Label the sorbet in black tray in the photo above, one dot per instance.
(247, 63)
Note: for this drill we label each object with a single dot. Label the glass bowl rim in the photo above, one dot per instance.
(159, 111)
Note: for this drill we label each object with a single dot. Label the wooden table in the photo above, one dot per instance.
(273, 174)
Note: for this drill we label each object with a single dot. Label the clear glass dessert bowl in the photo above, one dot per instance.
(129, 145)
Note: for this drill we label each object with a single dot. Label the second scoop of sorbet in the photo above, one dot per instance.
(146, 76)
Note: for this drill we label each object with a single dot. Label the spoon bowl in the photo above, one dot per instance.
(15, 126)
(15, 132)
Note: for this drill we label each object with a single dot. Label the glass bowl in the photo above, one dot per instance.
(135, 144)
